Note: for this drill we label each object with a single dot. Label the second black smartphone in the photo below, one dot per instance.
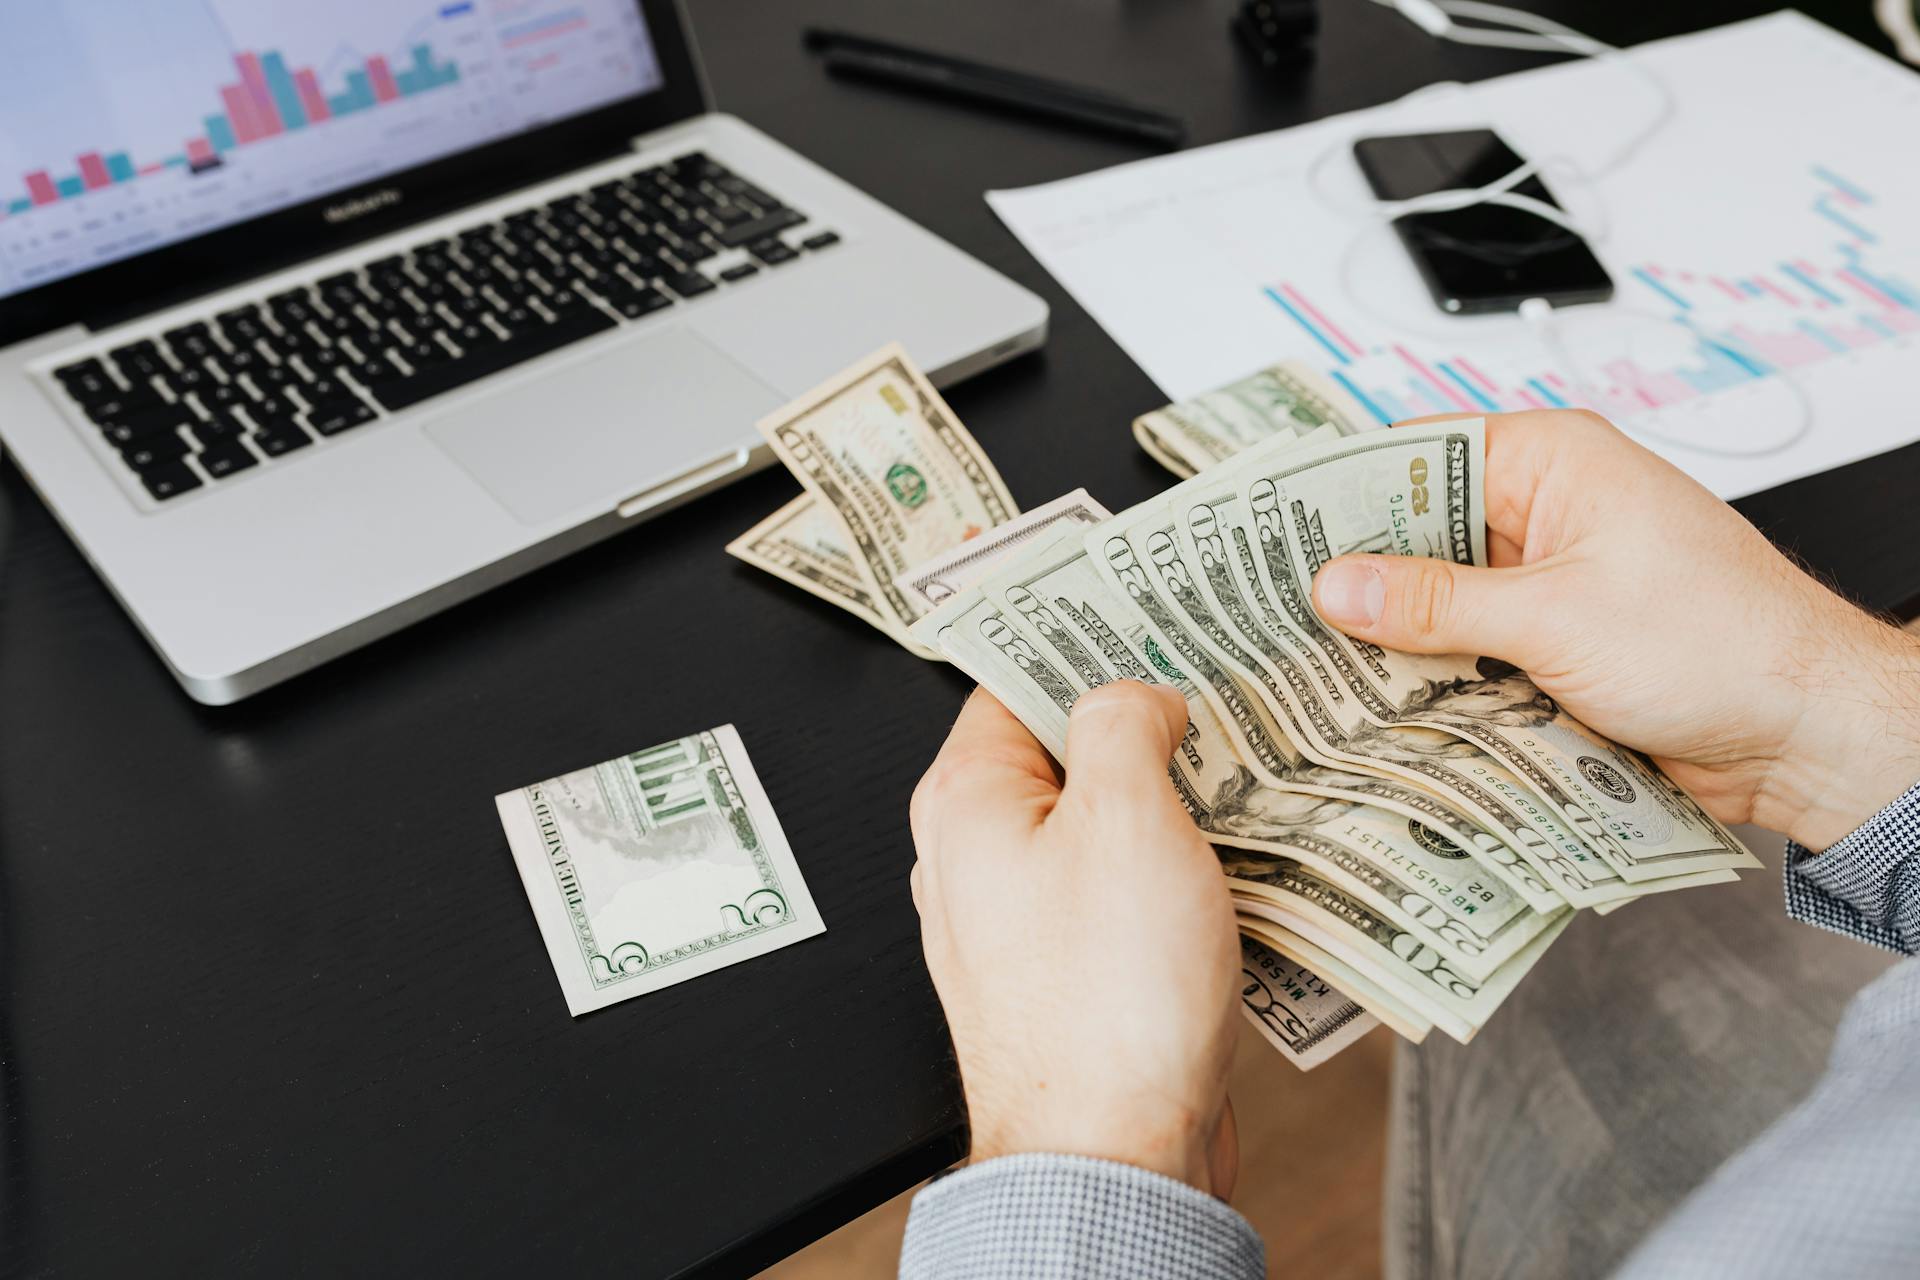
(1487, 257)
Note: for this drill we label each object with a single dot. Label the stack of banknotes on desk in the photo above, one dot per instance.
(1404, 836)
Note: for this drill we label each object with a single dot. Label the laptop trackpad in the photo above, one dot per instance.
(598, 430)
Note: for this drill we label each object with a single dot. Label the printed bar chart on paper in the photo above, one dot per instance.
(131, 123)
(1739, 327)
(1765, 255)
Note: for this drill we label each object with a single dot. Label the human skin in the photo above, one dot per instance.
(1079, 931)
(1656, 614)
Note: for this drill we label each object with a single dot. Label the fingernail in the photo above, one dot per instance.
(1351, 593)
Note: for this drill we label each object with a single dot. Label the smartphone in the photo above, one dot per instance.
(1488, 257)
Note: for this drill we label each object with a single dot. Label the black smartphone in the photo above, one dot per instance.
(1487, 257)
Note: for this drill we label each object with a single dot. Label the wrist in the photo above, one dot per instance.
(1172, 1144)
(1855, 747)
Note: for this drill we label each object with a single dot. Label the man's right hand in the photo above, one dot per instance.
(1655, 613)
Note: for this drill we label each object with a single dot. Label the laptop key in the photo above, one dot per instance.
(140, 361)
(122, 405)
(634, 303)
(169, 480)
(821, 241)
(772, 252)
(218, 429)
(690, 284)
(279, 435)
(226, 457)
(155, 450)
(192, 343)
(332, 417)
(740, 272)
(88, 372)
(244, 326)
(144, 424)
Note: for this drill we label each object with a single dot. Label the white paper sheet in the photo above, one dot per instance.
(1764, 244)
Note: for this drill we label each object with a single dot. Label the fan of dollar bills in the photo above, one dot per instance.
(1404, 835)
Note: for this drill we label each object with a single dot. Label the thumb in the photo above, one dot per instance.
(1119, 738)
(1419, 605)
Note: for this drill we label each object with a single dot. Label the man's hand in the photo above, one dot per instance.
(1081, 938)
(1659, 616)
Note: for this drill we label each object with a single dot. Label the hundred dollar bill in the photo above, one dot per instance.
(890, 464)
(1295, 1009)
(1287, 399)
(656, 867)
(943, 576)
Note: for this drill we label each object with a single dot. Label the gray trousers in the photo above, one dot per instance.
(1646, 1048)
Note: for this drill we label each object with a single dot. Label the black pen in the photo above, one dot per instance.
(1015, 91)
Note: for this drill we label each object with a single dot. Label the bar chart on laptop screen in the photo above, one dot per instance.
(130, 124)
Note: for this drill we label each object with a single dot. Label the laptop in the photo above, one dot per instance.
(317, 319)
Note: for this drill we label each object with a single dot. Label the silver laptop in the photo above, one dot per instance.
(317, 319)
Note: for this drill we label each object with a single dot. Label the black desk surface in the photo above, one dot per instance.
(273, 1000)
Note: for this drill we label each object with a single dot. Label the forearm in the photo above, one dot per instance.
(1856, 746)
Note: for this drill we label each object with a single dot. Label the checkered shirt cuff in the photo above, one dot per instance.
(1867, 886)
(1055, 1217)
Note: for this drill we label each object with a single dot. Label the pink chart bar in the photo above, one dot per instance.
(381, 75)
(240, 113)
(266, 115)
(93, 171)
(312, 100)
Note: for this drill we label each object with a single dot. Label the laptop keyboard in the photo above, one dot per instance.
(210, 400)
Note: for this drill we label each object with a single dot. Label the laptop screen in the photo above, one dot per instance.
(130, 125)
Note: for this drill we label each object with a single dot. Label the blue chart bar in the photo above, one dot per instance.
(1646, 278)
(423, 75)
(1469, 388)
(219, 133)
(120, 167)
(1546, 393)
(1824, 338)
(21, 205)
(1362, 397)
(1811, 285)
(1309, 326)
(358, 97)
(1845, 223)
(1839, 183)
(70, 187)
(286, 95)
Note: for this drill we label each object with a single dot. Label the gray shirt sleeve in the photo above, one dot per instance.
(1868, 885)
(1053, 1217)
(1833, 1189)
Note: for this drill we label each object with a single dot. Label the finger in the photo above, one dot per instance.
(1521, 451)
(1434, 606)
(990, 771)
(1119, 738)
